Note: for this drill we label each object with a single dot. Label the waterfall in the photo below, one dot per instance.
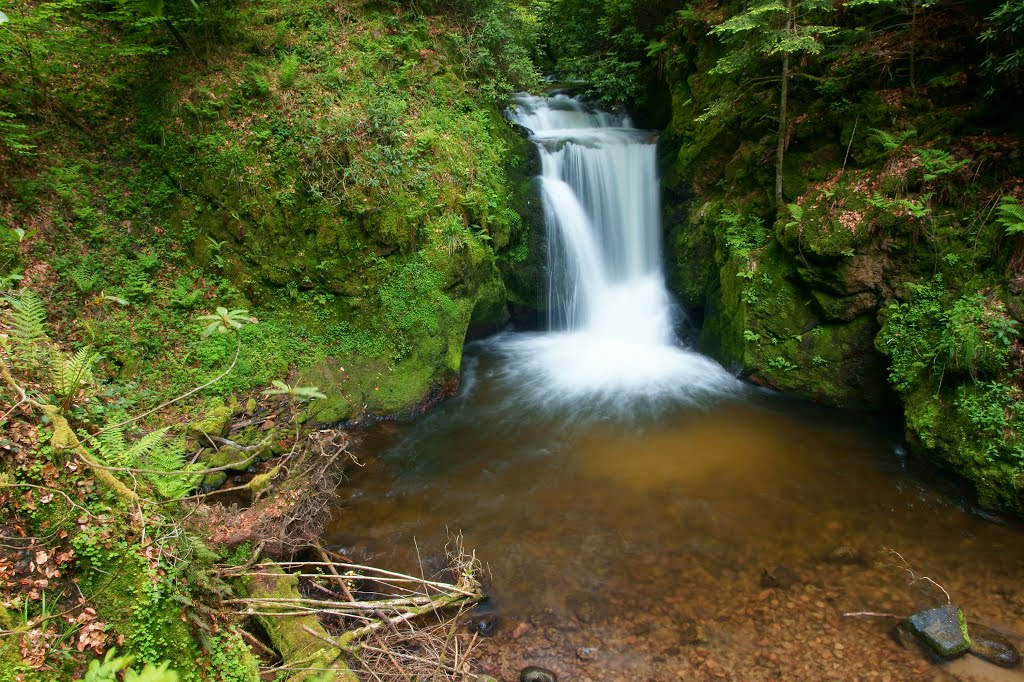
(611, 323)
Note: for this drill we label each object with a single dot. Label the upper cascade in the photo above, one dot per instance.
(611, 319)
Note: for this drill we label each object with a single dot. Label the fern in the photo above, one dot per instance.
(110, 445)
(153, 451)
(29, 340)
(1010, 215)
(68, 375)
(115, 451)
(889, 141)
(169, 455)
(85, 277)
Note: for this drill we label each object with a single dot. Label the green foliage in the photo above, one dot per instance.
(1010, 215)
(85, 276)
(977, 335)
(938, 162)
(743, 234)
(910, 335)
(15, 137)
(771, 28)
(452, 232)
(1004, 40)
(889, 141)
(225, 320)
(289, 71)
(29, 339)
(113, 668)
(924, 338)
(297, 393)
(606, 45)
(70, 374)
(255, 83)
(995, 412)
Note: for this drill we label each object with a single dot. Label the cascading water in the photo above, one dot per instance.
(611, 319)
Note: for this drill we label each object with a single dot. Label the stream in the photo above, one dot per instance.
(642, 514)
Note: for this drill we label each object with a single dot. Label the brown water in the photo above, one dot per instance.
(646, 537)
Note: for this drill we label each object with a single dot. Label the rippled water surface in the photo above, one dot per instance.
(718, 537)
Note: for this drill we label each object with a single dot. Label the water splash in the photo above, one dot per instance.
(611, 332)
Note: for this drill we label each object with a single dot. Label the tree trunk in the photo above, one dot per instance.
(780, 151)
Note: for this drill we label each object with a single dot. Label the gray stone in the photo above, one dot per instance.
(534, 673)
(990, 645)
(944, 629)
(586, 653)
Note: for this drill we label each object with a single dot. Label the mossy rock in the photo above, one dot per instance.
(216, 422)
(764, 324)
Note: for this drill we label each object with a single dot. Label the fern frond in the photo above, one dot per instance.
(1011, 215)
(85, 277)
(29, 340)
(67, 375)
(110, 444)
(169, 455)
(141, 451)
(889, 141)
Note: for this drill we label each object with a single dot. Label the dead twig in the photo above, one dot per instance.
(914, 578)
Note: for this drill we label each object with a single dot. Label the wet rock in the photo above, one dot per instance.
(990, 645)
(521, 629)
(486, 678)
(847, 556)
(485, 625)
(213, 480)
(782, 577)
(534, 673)
(586, 653)
(944, 629)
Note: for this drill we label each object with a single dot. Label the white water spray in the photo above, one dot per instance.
(611, 323)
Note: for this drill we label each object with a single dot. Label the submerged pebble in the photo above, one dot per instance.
(534, 673)
(990, 645)
(485, 625)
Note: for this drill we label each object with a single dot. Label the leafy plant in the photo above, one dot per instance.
(69, 374)
(298, 393)
(289, 70)
(978, 335)
(1010, 215)
(85, 276)
(29, 338)
(743, 234)
(225, 320)
(889, 141)
(938, 162)
(109, 669)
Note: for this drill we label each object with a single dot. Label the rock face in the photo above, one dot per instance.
(944, 629)
(988, 644)
(835, 296)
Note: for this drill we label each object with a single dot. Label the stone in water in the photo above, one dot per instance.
(944, 629)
